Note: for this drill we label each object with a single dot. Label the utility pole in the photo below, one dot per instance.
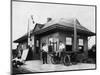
(29, 41)
(28, 33)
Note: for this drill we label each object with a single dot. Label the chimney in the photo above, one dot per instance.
(49, 19)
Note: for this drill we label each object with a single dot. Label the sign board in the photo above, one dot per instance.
(24, 54)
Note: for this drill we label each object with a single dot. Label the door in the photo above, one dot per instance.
(53, 44)
(37, 48)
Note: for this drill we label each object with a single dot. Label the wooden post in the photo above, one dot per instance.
(75, 36)
(85, 44)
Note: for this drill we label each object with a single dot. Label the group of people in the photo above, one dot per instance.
(45, 51)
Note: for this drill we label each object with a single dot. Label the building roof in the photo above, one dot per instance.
(25, 36)
(67, 24)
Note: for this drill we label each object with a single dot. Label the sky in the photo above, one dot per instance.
(22, 11)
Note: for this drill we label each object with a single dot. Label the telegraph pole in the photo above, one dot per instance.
(29, 42)
(28, 33)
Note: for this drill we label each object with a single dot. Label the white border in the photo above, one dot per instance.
(5, 36)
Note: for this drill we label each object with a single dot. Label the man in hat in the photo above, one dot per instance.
(44, 52)
(61, 48)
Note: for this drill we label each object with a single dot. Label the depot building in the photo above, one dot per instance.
(53, 31)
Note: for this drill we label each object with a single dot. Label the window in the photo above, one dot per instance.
(80, 42)
(51, 41)
(68, 44)
(80, 46)
(68, 41)
(37, 43)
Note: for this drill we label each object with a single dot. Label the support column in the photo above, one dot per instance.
(75, 35)
(85, 44)
(72, 44)
(75, 45)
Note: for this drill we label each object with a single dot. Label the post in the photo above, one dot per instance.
(28, 33)
(75, 36)
(85, 44)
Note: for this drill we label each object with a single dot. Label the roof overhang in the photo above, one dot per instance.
(21, 39)
(64, 28)
(54, 28)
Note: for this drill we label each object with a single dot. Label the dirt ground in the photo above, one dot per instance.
(37, 66)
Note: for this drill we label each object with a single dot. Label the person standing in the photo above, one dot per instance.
(61, 48)
(44, 52)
